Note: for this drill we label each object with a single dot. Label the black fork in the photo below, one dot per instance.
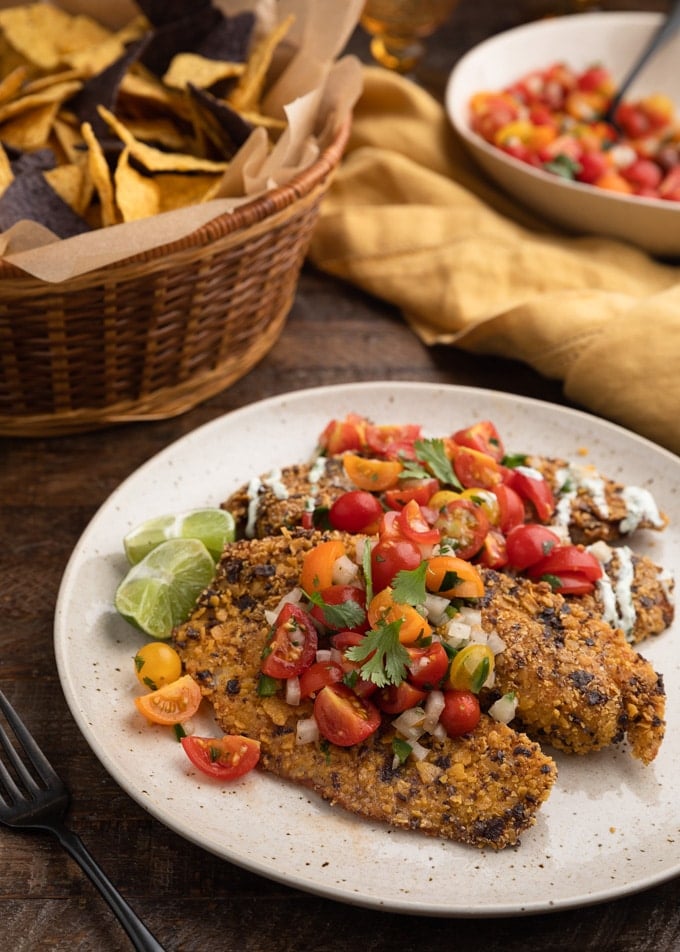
(37, 799)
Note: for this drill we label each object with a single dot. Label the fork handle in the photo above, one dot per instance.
(141, 938)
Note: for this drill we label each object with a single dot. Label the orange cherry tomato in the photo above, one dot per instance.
(374, 475)
(476, 469)
(452, 577)
(317, 565)
(482, 436)
(413, 626)
(171, 704)
(224, 758)
(342, 435)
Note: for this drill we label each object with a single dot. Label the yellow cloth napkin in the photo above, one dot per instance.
(410, 219)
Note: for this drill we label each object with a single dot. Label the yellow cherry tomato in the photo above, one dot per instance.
(157, 663)
(442, 498)
(471, 667)
(487, 500)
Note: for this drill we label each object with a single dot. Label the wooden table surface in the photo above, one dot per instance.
(192, 900)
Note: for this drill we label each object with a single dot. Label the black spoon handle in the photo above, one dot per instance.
(667, 29)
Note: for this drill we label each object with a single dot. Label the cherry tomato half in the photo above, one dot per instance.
(475, 469)
(393, 440)
(511, 507)
(412, 625)
(318, 565)
(355, 511)
(452, 577)
(428, 665)
(482, 436)
(374, 475)
(528, 544)
(570, 583)
(461, 712)
(396, 698)
(171, 704)
(343, 717)
(421, 490)
(494, 551)
(568, 558)
(471, 667)
(342, 435)
(339, 595)
(292, 645)
(224, 758)
(535, 490)
(414, 526)
(318, 676)
(464, 525)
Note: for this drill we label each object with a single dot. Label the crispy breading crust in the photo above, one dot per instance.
(587, 523)
(580, 685)
(279, 500)
(483, 789)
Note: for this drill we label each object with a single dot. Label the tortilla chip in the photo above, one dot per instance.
(102, 89)
(101, 176)
(188, 68)
(30, 130)
(6, 173)
(248, 92)
(45, 34)
(218, 123)
(136, 194)
(12, 83)
(73, 185)
(161, 133)
(66, 139)
(161, 12)
(154, 160)
(55, 94)
(31, 197)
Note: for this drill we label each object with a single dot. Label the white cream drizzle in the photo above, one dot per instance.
(315, 473)
(639, 505)
(274, 482)
(639, 502)
(616, 594)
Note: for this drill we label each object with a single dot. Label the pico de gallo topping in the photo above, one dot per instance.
(552, 119)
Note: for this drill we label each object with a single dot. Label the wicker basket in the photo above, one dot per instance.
(154, 335)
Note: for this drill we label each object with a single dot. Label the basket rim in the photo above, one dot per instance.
(244, 216)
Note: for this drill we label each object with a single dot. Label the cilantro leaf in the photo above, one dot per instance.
(514, 460)
(433, 454)
(368, 572)
(408, 587)
(349, 614)
(401, 749)
(413, 470)
(384, 656)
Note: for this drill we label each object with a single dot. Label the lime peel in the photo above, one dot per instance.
(213, 527)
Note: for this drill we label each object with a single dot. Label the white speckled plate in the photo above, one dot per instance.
(611, 826)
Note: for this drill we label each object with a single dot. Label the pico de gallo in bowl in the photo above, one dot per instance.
(530, 104)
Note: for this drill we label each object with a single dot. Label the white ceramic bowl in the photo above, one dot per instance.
(612, 39)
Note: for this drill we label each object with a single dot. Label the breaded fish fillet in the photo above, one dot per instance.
(280, 498)
(483, 789)
(593, 507)
(580, 685)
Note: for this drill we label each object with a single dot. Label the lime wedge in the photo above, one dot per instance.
(213, 527)
(161, 590)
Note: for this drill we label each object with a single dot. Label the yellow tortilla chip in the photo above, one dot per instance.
(66, 139)
(141, 94)
(248, 92)
(45, 34)
(160, 132)
(12, 83)
(6, 174)
(178, 191)
(136, 194)
(53, 79)
(51, 95)
(73, 184)
(188, 68)
(156, 160)
(29, 130)
(101, 177)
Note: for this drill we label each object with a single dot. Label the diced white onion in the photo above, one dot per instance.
(457, 632)
(336, 656)
(504, 708)
(439, 733)
(418, 751)
(293, 691)
(307, 731)
(345, 571)
(408, 720)
(323, 655)
(601, 551)
(434, 705)
(435, 608)
(495, 642)
(294, 596)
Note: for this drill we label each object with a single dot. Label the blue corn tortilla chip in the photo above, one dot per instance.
(207, 32)
(160, 12)
(102, 89)
(31, 197)
(223, 126)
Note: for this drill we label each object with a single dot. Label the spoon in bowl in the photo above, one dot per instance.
(666, 30)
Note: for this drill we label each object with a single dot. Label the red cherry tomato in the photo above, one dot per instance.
(342, 435)
(568, 558)
(341, 641)
(465, 525)
(292, 645)
(511, 507)
(224, 758)
(355, 511)
(482, 436)
(340, 595)
(318, 676)
(528, 544)
(570, 583)
(393, 441)
(421, 490)
(427, 666)
(461, 712)
(535, 490)
(396, 698)
(414, 526)
(390, 556)
(343, 717)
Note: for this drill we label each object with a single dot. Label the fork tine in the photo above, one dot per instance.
(42, 765)
(6, 779)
